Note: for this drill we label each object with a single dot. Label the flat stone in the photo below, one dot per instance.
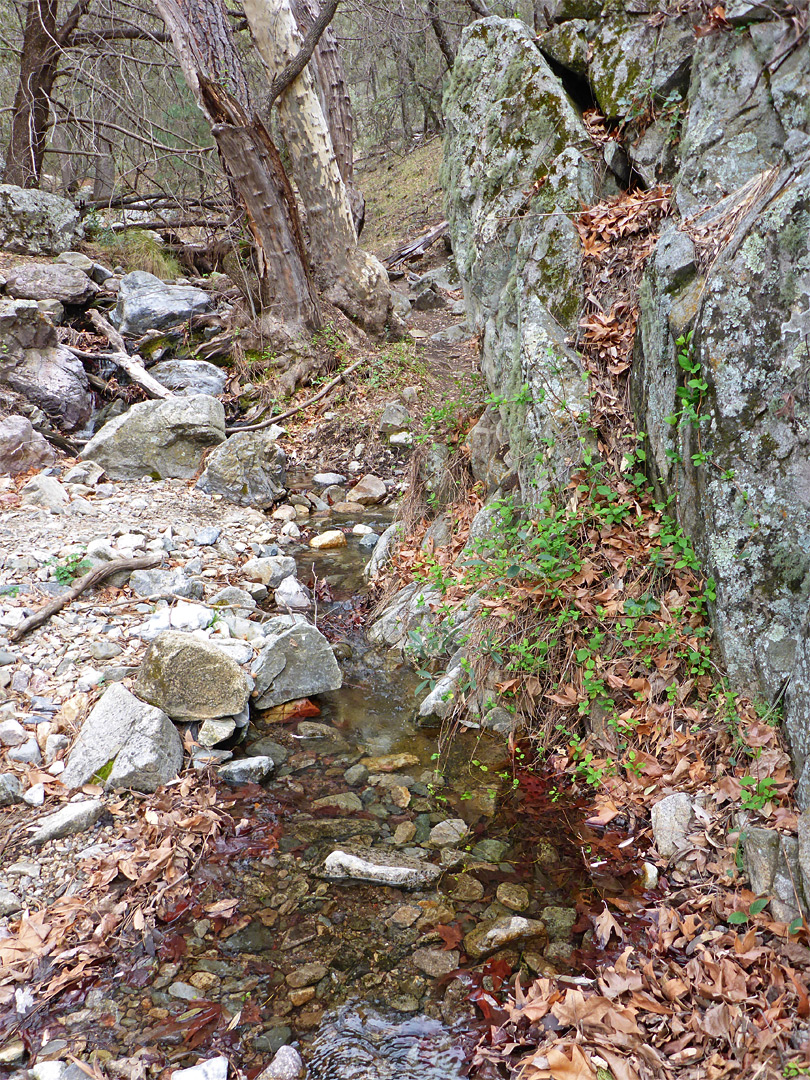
(213, 732)
(494, 934)
(185, 992)
(50, 281)
(436, 962)
(346, 801)
(334, 538)
(306, 975)
(399, 871)
(328, 479)
(250, 770)
(449, 832)
(515, 897)
(73, 818)
(387, 763)
(407, 915)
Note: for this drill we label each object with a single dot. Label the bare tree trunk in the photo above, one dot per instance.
(213, 70)
(32, 106)
(330, 80)
(440, 31)
(354, 281)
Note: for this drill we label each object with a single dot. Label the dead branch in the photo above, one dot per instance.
(300, 61)
(414, 248)
(304, 405)
(132, 365)
(93, 577)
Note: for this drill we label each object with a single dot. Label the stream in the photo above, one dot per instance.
(369, 981)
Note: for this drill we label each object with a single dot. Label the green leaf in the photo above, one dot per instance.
(737, 918)
(796, 925)
(758, 906)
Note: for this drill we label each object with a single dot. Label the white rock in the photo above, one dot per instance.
(327, 479)
(380, 869)
(73, 818)
(12, 733)
(213, 1069)
(361, 530)
(35, 796)
(292, 594)
(215, 731)
(286, 1065)
(250, 770)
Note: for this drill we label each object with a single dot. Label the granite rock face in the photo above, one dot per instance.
(36, 222)
(248, 469)
(190, 678)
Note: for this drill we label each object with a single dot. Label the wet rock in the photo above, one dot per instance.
(191, 679)
(292, 595)
(466, 888)
(356, 774)
(404, 833)
(22, 448)
(138, 741)
(250, 770)
(494, 934)
(671, 819)
(383, 551)
(515, 897)
(378, 868)
(159, 438)
(286, 1065)
(395, 417)
(270, 571)
(74, 818)
(147, 303)
(328, 479)
(448, 832)
(333, 538)
(386, 763)
(57, 1070)
(294, 663)
(306, 975)
(268, 747)
(248, 469)
(34, 222)
(436, 962)
(50, 281)
(345, 801)
(196, 375)
(10, 789)
(368, 491)
(490, 850)
(213, 1069)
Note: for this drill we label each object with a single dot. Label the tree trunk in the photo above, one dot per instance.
(440, 31)
(29, 118)
(213, 69)
(352, 280)
(330, 81)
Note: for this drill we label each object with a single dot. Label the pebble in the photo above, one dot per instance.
(404, 833)
(185, 992)
(286, 1065)
(207, 537)
(306, 975)
(9, 902)
(346, 801)
(436, 962)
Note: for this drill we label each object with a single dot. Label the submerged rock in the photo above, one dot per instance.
(494, 934)
(378, 868)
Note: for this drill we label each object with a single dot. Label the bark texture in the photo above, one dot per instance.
(213, 69)
(352, 280)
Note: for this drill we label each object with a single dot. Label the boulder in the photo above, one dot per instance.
(294, 663)
(36, 222)
(510, 122)
(395, 417)
(159, 438)
(22, 448)
(190, 678)
(196, 375)
(50, 281)
(147, 303)
(248, 469)
(35, 365)
(368, 491)
(138, 741)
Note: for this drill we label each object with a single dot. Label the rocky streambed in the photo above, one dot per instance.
(376, 876)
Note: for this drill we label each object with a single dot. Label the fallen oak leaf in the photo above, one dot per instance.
(605, 925)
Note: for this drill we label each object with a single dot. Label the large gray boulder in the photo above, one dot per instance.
(147, 303)
(510, 124)
(190, 678)
(34, 364)
(36, 222)
(22, 448)
(139, 742)
(248, 469)
(159, 438)
(196, 375)
(294, 663)
(50, 281)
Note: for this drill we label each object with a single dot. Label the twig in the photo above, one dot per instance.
(132, 365)
(304, 405)
(94, 577)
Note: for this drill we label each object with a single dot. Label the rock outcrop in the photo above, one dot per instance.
(36, 222)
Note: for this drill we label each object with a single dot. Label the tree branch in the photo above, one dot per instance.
(299, 62)
(118, 33)
(480, 8)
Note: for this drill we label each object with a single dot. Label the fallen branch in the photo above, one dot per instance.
(132, 365)
(304, 404)
(93, 577)
(416, 248)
